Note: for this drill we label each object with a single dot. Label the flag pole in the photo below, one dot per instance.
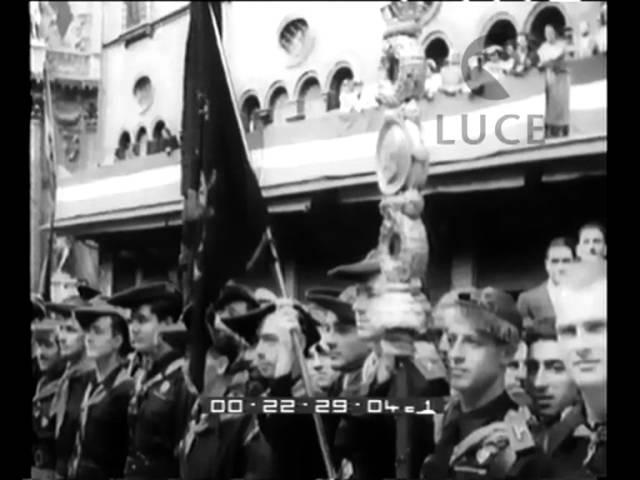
(47, 267)
(297, 343)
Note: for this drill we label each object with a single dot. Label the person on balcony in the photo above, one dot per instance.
(452, 81)
(552, 61)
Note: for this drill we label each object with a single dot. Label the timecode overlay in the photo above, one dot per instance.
(330, 406)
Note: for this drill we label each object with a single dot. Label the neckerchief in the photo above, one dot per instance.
(45, 388)
(93, 394)
(201, 419)
(59, 404)
(597, 438)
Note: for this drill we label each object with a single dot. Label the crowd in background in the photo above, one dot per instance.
(516, 58)
(114, 397)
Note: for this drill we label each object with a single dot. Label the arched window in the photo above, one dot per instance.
(249, 107)
(278, 103)
(546, 16)
(310, 100)
(339, 77)
(143, 93)
(159, 130)
(140, 148)
(437, 50)
(124, 145)
(501, 32)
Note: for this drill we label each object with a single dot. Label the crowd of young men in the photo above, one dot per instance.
(525, 384)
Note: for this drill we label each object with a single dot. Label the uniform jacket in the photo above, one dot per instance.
(293, 439)
(531, 464)
(101, 443)
(43, 423)
(157, 417)
(66, 408)
(535, 304)
(224, 447)
(369, 441)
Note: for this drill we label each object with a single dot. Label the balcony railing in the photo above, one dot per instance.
(73, 66)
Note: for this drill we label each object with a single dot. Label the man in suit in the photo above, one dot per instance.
(539, 302)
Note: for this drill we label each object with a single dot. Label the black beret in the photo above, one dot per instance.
(360, 271)
(37, 307)
(89, 314)
(86, 316)
(246, 325)
(329, 299)
(44, 329)
(135, 297)
(235, 293)
(67, 306)
(87, 293)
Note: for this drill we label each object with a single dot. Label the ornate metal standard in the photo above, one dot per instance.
(401, 308)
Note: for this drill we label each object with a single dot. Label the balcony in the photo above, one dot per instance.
(74, 66)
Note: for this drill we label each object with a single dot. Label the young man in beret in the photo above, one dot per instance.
(581, 326)
(101, 443)
(558, 418)
(225, 445)
(483, 435)
(51, 366)
(159, 408)
(323, 376)
(295, 446)
(78, 372)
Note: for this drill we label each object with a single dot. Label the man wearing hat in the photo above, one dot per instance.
(73, 383)
(101, 443)
(323, 376)
(296, 451)
(581, 326)
(224, 445)
(159, 408)
(51, 366)
(370, 442)
(483, 434)
(347, 351)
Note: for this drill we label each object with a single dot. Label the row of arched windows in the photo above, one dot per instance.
(500, 31)
(310, 100)
(143, 143)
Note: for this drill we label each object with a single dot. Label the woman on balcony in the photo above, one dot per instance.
(552, 54)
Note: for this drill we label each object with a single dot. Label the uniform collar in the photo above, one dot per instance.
(163, 362)
(83, 366)
(502, 402)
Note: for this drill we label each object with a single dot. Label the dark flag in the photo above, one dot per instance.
(225, 216)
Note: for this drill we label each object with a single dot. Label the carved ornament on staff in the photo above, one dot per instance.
(402, 166)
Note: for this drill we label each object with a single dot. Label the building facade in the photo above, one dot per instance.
(65, 50)
(490, 209)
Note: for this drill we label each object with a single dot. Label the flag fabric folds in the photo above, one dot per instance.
(224, 215)
(50, 150)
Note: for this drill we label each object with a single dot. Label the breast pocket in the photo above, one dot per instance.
(157, 410)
